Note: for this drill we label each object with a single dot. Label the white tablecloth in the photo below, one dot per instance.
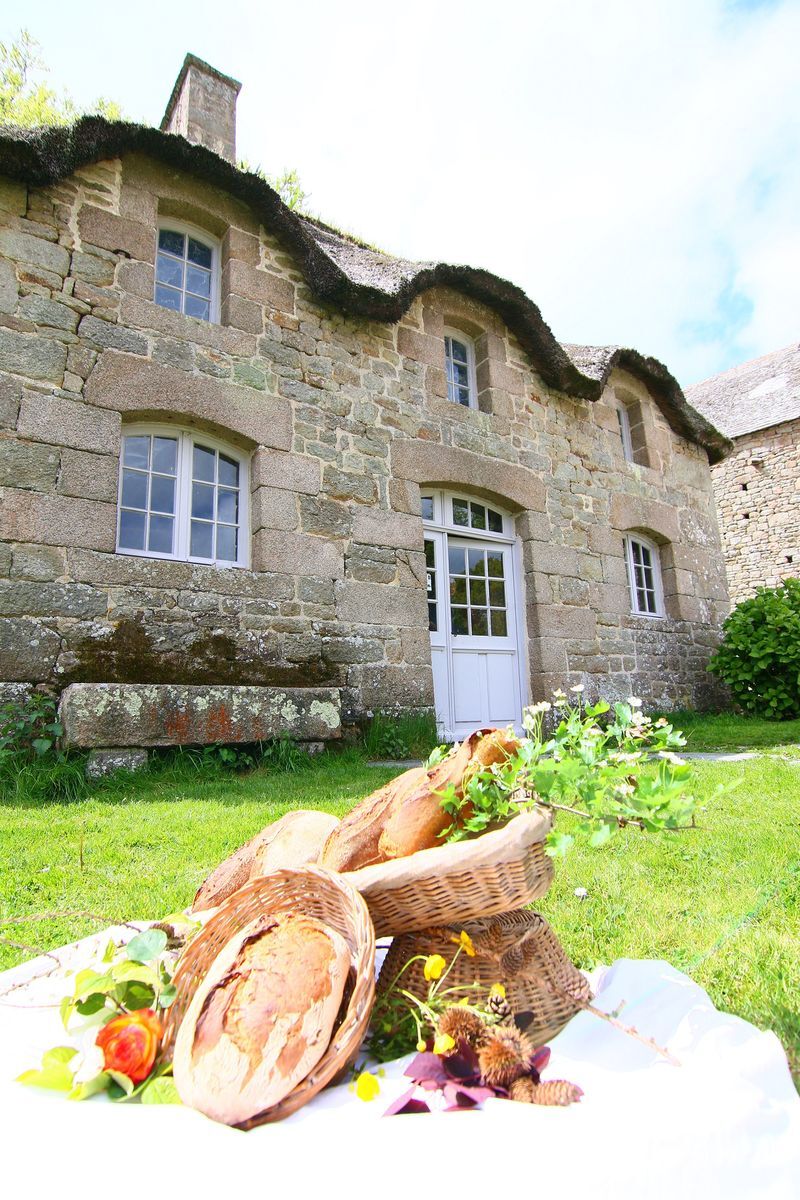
(725, 1123)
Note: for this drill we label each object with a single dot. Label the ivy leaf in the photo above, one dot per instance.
(56, 1078)
(147, 945)
(92, 1004)
(160, 1091)
(557, 844)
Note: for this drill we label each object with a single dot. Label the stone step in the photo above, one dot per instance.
(167, 714)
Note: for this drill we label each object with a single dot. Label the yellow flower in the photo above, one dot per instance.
(464, 942)
(443, 1044)
(434, 965)
(367, 1086)
(497, 992)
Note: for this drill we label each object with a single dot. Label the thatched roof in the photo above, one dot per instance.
(357, 280)
(754, 395)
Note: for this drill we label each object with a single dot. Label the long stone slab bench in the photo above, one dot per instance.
(106, 715)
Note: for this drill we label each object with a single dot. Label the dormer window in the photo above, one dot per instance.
(459, 358)
(187, 271)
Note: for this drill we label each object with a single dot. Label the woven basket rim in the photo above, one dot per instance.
(277, 887)
(484, 851)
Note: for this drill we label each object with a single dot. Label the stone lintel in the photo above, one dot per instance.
(96, 715)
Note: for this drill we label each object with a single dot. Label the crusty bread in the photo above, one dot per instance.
(406, 815)
(262, 1018)
(287, 833)
(354, 841)
(297, 839)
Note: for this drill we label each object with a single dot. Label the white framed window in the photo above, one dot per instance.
(459, 357)
(643, 563)
(624, 421)
(187, 271)
(182, 495)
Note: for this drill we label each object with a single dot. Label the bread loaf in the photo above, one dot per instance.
(406, 815)
(297, 839)
(297, 834)
(262, 1018)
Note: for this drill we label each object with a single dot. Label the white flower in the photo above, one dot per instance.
(542, 707)
(581, 893)
(558, 694)
(634, 702)
(577, 688)
(672, 758)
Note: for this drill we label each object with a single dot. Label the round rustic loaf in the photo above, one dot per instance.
(262, 1018)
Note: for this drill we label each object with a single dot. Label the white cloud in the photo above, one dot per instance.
(634, 167)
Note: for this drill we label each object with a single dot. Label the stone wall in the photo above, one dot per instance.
(757, 490)
(343, 420)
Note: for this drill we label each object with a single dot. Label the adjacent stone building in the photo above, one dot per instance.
(757, 487)
(240, 449)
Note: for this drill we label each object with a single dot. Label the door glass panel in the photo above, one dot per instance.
(427, 508)
(458, 589)
(497, 593)
(478, 516)
(459, 621)
(480, 626)
(430, 572)
(477, 562)
(495, 521)
(499, 627)
(494, 560)
(460, 512)
(477, 592)
(455, 555)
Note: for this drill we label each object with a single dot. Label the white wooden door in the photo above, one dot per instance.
(472, 608)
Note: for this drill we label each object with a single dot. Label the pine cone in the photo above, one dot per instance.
(499, 1007)
(505, 1056)
(461, 1024)
(554, 1092)
(511, 962)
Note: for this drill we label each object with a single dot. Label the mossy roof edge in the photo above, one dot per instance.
(383, 288)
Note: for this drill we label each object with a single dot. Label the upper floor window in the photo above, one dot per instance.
(644, 577)
(182, 495)
(459, 357)
(625, 432)
(187, 270)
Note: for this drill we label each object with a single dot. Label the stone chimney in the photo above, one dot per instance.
(202, 107)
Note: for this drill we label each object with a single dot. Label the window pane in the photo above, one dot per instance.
(458, 590)
(430, 554)
(226, 543)
(499, 628)
(168, 298)
(171, 241)
(162, 493)
(494, 563)
(458, 351)
(427, 508)
(203, 501)
(460, 375)
(476, 562)
(160, 537)
(455, 555)
(228, 507)
(131, 530)
(200, 254)
(198, 281)
(137, 452)
(459, 620)
(477, 592)
(165, 455)
(203, 464)
(431, 580)
(460, 512)
(195, 307)
(201, 540)
(495, 521)
(497, 593)
(134, 489)
(169, 270)
(478, 516)
(228, 471)
(432, 621)
(480, 624)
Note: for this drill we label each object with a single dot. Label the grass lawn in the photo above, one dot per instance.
(721, 902)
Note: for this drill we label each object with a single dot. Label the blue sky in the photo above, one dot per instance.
(634, 167)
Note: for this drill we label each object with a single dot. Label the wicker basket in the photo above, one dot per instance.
(313, 892)
(518, 949)
(461, 881)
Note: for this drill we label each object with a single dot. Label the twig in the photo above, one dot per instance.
(621, 821)
(611, 1020)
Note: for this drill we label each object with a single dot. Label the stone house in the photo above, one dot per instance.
(251, 466)
(757, 487)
